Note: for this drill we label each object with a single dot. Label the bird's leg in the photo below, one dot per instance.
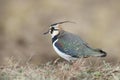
(86, 56)
(56, 60)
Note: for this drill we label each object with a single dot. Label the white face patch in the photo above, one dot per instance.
(54, 33)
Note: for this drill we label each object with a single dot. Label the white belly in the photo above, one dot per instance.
(63, 55)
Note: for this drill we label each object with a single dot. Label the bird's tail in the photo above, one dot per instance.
(100, 53)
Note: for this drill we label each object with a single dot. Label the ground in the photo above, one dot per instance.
(61, 70)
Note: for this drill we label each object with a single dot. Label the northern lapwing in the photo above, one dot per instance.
(70, 46)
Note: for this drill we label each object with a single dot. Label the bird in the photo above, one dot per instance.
(70, 46)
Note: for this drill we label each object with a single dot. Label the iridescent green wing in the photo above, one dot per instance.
(71, 45)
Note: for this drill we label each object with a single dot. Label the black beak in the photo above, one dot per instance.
(46, 32)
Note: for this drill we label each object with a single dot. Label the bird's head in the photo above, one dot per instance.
(55, 28)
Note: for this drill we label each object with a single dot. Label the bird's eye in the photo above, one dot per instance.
(51, 30)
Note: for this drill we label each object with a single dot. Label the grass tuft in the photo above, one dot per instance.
(60, 71)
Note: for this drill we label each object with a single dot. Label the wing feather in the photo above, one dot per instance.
(71, 44)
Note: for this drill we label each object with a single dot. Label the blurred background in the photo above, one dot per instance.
(23, 22)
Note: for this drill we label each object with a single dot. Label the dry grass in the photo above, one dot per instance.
(60, 71)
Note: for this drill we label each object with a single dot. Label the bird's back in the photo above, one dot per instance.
(71, 44)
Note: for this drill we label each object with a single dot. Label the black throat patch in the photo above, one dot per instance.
(55, 38)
